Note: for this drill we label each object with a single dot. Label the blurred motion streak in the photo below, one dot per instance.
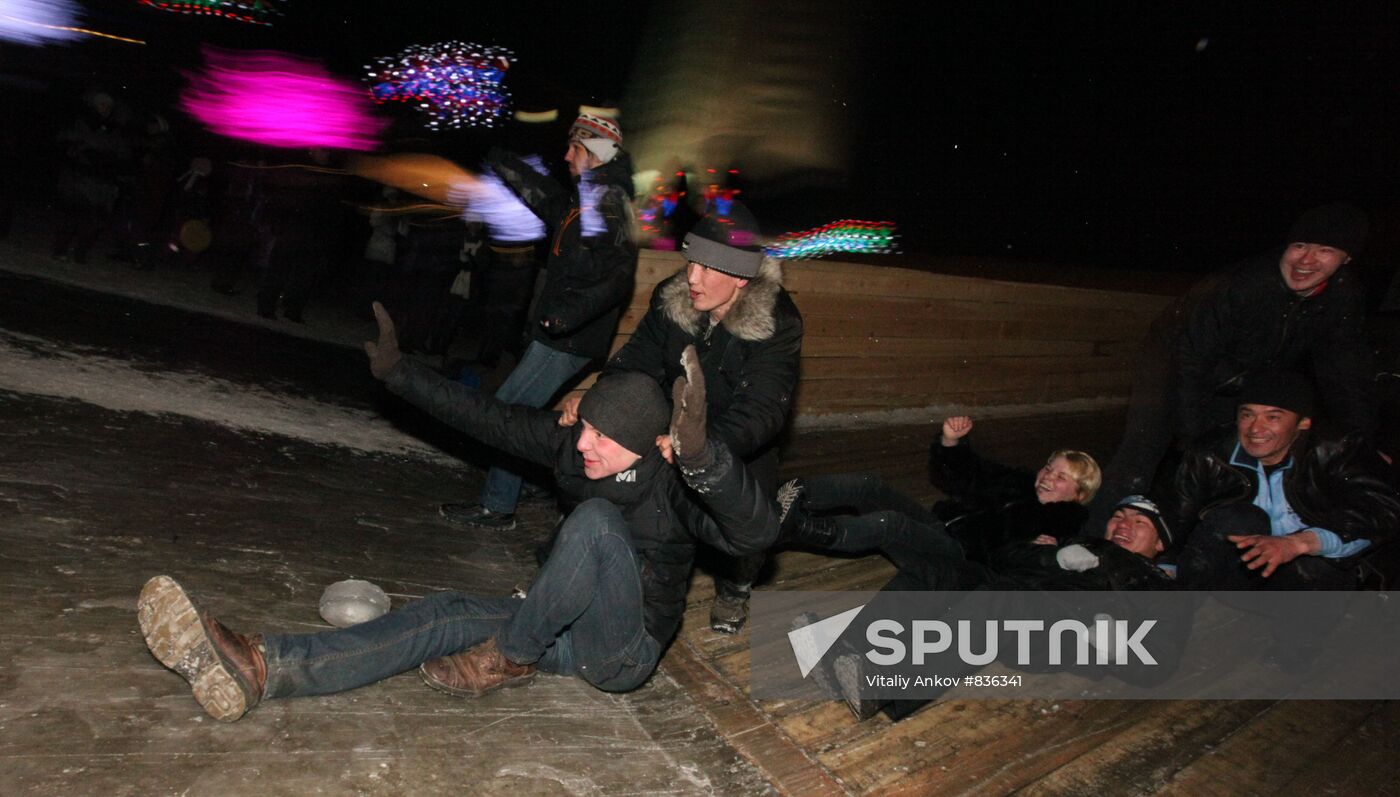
(428, 176)
(257, 12)
(38, 22)
(847, 236)
(281, 101)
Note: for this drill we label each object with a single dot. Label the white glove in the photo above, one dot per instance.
(1076, 558)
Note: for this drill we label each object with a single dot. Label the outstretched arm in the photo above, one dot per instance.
(958, 471)
(955, 429)
(526, 432)
(689, 443)
(427, 176)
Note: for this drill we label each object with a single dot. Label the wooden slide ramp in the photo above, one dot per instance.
(1032, 747)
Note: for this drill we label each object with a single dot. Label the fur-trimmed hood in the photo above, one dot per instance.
(751, 318)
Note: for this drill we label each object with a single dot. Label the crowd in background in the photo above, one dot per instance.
(117, 178)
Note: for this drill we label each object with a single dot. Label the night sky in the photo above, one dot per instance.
(1160, 135)
(1154, 134)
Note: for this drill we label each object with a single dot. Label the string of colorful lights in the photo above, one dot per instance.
(456, 84)
(257, 12)
(847, 236)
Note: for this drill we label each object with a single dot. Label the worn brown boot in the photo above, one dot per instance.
(476, 671)
(226, 670)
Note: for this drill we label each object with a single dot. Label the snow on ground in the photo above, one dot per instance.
(185, 288)
(44, 367)
(38, 366)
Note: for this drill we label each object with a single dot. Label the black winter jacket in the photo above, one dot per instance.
(1025, 565)
(751, 359)
(1254, 322)
(993, 504)
(587, 280)
(1331, 485)
(721, 505)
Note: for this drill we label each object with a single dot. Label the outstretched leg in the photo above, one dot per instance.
(230, 673)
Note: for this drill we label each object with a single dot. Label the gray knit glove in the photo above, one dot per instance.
(688, 415)
(385, 354)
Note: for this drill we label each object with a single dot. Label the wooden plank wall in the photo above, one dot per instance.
(882, 338)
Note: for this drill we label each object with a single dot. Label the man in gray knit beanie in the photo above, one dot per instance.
(729, 303)
(602, 608)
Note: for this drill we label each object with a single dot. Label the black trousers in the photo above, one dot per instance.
(1209, 561)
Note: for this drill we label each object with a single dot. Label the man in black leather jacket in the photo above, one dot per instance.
(1297, 308)
(1278, 505)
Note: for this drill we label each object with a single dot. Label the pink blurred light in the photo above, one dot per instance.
(281, 101)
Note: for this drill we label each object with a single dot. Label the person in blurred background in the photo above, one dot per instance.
(591, 266)
(96, 159)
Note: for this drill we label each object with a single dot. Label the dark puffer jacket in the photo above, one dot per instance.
(721, 506)
(588, 279)
(1025, 565)
(1254, 322)
(1331, 485)
(750, 359)
(992, 504)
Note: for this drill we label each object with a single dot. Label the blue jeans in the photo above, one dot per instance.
(535, 380)
(582, 616)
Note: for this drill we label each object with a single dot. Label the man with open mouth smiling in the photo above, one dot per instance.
(1296, 311)
(1292, 308)
(1277, 506)
(1137, 526)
